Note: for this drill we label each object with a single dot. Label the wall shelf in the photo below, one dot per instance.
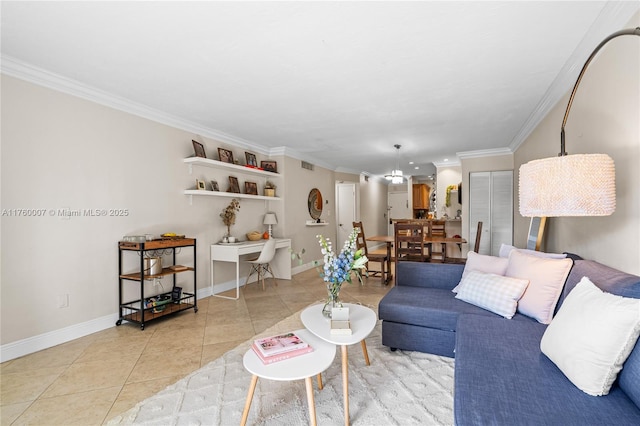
(206, 162)
(200, 192)
(314, 223)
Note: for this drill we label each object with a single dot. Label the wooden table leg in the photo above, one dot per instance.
(320, 381)
(345, 383)
(310, 401)
(364, 352)
(247, 404)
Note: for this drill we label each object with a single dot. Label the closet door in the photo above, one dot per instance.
(491, 201)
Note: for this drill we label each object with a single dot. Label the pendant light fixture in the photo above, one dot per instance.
(396, 175)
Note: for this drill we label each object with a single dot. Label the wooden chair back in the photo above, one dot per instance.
(409, 242)
(476, 246)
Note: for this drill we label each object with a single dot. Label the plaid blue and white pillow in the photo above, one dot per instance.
(492, 292)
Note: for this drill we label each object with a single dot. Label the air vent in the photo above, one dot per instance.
(306, 165)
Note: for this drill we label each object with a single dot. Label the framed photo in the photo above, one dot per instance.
(200, 185)
(251, 188)
(251, 159)
(199, 149)
(233, 185)
(226, 156)
(270, 166)
(214, 186)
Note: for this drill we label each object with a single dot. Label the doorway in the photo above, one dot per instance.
(346, 211)
(398, 208)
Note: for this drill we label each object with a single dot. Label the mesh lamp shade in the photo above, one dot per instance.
(569, 185)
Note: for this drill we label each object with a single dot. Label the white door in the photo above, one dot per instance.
(398, 208)
(345, 212)
(491, 202)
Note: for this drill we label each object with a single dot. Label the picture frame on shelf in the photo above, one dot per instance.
(199, 149)
(270, 166)
(214, 186)
(251, 159)
(251, 188)
(234, 186)
(200, 185)
(226, 156)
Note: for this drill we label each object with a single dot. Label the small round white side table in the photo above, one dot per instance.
(363, 320)
(300, 367)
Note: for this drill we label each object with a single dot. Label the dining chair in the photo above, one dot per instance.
(409, 242)
(437, 229)
(261, 265)
(476, 246)
(361, 243)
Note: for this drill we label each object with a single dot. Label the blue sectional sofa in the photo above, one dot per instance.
(501, 375)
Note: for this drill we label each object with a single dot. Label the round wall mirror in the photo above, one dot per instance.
(315, 203)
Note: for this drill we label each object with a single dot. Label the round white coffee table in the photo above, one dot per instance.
(300, 367)
(363, 320)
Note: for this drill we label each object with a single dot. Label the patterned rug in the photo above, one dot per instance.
(398, 388)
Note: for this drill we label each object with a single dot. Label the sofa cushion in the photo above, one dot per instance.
(591, 336)
(546, 279)
(505, 251)
(502, 378)
(493, 292)
(629, 378)
(483, 263)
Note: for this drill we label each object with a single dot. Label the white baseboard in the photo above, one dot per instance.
(53, 338)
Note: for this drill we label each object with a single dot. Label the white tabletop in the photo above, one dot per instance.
(296, 368)
(363, 320)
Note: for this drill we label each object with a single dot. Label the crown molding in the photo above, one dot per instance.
(613, 17)
(484, 153)
(16, 68)
(450, 163)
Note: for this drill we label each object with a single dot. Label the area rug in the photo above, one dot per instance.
(398, 388)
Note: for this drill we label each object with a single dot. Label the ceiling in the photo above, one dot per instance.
(333, 83)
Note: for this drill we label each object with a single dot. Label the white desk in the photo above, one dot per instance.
(281, 263)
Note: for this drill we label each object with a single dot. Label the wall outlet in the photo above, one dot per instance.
(63, 301)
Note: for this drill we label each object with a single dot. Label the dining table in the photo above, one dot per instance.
(389, 239)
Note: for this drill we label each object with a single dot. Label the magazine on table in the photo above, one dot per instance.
(281, 343)
(281, 356)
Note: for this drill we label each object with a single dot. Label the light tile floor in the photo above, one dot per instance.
(92, 379)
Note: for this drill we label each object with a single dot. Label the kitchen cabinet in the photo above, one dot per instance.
(421, 196)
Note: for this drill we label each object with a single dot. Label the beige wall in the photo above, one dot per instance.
(450, 175)
(60, 151)
(603, 119)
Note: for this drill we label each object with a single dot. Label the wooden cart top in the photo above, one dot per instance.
(157, 244)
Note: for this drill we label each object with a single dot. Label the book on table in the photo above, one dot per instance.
(281, 356)
(278, 344)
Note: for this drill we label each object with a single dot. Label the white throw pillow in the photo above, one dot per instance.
(492, 292)
(546, 280)
(483, 263)
(591, 336)
(505, 251)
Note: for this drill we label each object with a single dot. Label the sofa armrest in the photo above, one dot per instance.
(431, 275)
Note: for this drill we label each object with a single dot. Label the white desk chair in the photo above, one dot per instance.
(261, 265)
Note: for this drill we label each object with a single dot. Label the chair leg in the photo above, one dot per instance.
(253, 269)
(268, 269)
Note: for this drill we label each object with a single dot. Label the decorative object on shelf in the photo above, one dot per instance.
(269, 189)
(314, 203)
(447, 200)
(251, 159)
(571, 185)
(200, 185)
(234, 186)
(228, 215)
(199, 149)
(270, 219)
(251, 188)
(254, 236)
(225, 155)
(214, 186)
(270, 166)
(338, 269)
